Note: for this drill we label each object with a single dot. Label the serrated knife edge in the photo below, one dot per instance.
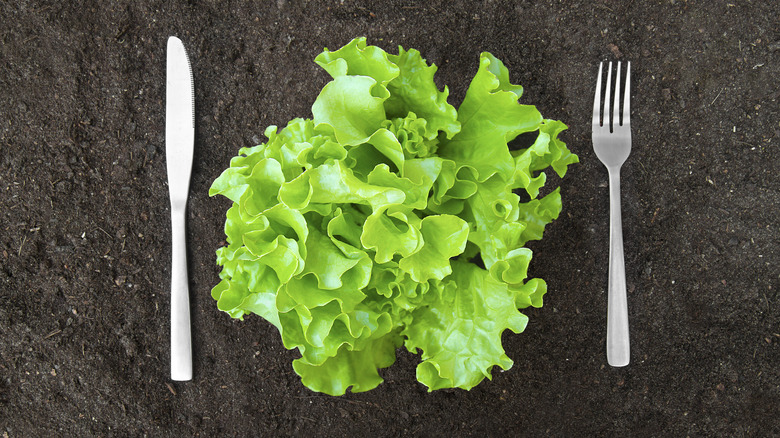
(179, 119)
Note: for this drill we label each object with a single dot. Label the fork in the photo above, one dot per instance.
(612, 144)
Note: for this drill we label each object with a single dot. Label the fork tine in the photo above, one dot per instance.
(616, 104)
(607, 118)
(626, 94)
(597, 100)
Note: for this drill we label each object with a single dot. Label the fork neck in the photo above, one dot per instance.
(614, 179)
(613, 170)
(614, 202)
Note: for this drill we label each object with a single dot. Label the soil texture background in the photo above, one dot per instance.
(85, 232)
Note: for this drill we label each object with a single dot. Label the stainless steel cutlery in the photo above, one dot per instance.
(179, 144)
(612, 144)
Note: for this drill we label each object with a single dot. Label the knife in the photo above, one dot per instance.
(179, 144)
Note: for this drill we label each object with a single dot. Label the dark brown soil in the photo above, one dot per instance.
(84, 234)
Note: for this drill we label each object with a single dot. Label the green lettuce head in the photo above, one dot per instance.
(390, 218)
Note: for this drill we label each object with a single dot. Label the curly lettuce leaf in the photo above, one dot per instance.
(358, 230)
(444, 237)
(351, 107)
(460, 333)
(356, 370)
(414, 91)
(356, 58)
(490, 117)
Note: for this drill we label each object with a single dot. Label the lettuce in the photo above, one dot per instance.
(391, 219)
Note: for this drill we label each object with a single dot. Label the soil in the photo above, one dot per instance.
(84, 240)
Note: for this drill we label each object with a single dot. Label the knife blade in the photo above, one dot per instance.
(179, 145)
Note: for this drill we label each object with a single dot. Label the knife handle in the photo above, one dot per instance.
(181, 337)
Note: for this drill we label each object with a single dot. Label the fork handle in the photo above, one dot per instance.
(617, 302)
(181, 340)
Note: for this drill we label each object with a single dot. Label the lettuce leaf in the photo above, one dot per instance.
(490, 117)
(460, 332)
(390, 218)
